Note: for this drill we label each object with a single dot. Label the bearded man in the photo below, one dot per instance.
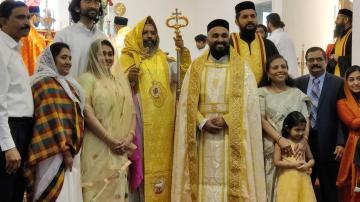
(218, 152)
(251, 46)
(85, 14)
(341, 55)
(152, 80)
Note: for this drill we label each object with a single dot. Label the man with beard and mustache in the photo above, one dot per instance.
(16, 101)
(79, 36)
(247, 43)
(326, 136)
(218, 152)
(341, 58)
(34, 43)
(152, 79)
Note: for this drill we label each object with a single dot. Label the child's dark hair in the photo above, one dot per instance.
(292, 119)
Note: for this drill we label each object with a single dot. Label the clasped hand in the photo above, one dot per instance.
(215, 125)
(121, 146)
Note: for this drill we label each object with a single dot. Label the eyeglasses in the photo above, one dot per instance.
(311, 60)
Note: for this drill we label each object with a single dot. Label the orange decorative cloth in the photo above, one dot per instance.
(31, 47)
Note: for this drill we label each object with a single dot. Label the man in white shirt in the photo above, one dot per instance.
(200, 41)
(283, 42)
(16, 101)
(80, 35)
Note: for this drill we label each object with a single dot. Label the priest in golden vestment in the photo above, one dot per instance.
(34, 43)
(120, 29)
(218, 152)
(247, 43)
(151, 78)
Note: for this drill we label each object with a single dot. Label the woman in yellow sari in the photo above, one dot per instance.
(109, 127)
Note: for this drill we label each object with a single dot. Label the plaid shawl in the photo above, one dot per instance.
(59, 126)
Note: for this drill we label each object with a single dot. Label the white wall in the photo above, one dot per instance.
(199, 12)
(356, 33)
(309, 22)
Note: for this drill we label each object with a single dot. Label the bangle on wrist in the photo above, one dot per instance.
(278, 139)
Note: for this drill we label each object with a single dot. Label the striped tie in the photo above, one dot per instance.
(314, 96)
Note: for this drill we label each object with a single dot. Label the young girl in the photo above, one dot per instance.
(294, 183)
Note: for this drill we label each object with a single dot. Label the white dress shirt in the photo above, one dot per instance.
(311, 83)
(15, 90)
(79, 39)
(198, 53)
(286, 48)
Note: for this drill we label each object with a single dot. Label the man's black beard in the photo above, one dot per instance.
(150, 45)
(339, 30)
(87, 13)
(217, 54)
(246, 34)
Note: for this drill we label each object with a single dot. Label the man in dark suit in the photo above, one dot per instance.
(326, 138)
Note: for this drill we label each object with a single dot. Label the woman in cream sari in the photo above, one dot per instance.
(109, 127)
(278, 97)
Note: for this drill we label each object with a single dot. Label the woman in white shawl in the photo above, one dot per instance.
(52, 168)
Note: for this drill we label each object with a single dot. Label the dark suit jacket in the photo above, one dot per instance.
(330, 129)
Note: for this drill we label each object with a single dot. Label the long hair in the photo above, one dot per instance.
(265, 81)
(275, 20)
(292, 119)
(74, 9)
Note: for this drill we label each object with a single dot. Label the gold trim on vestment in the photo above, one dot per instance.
(237, 178)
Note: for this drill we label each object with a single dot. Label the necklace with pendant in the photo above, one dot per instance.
(157, 90)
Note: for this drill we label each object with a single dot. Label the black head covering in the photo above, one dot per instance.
(34, 9)
(244, 5)
(200, 37)
(218, 23)
(120, 20)
(346, 12)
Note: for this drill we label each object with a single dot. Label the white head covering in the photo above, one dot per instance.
(46, 68)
